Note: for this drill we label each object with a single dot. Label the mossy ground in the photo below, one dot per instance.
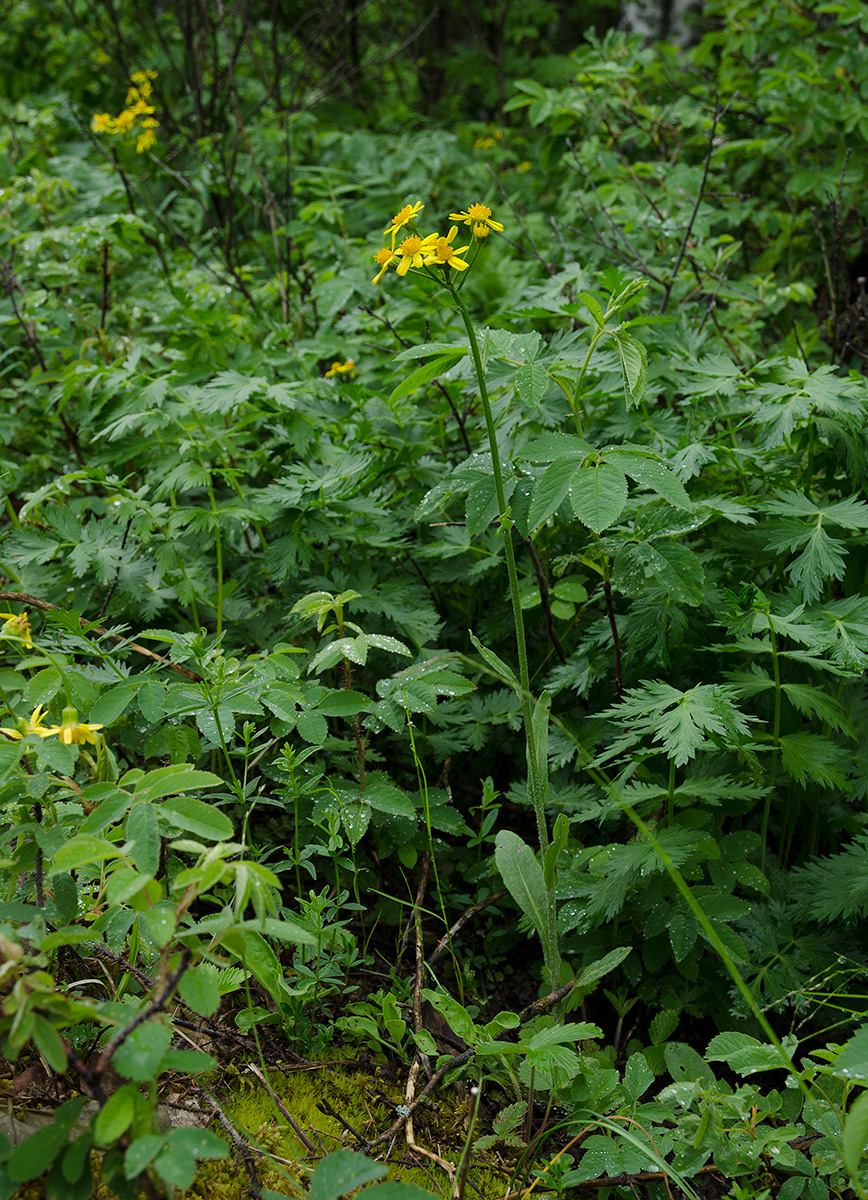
(366, 1100)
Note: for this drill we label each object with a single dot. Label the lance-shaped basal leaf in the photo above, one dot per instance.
(523, 876)
(598, 495)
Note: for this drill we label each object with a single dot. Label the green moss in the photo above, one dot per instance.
(366, 1101)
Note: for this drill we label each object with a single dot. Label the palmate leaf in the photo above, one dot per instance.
(681, 721)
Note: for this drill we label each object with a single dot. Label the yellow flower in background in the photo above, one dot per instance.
(16, 625)
(143, 78)
(446, 255)
(415, 252)
(339, 369)
(102, 123)
(71, 730)
(383, 257)
(523, 166)
(31, 724)
(145, 140)
(407, 214)
(476, 214)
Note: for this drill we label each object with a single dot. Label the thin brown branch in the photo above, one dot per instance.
(46, 606)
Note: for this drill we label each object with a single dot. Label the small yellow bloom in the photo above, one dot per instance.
(415, 252)
(72, 730)
(407, 214)
(31, 724)
(483, 143)
(143, 77)
(481, 231)
(125, 122)
(476, 214)
(344, 368)
(101, 123)
(444, 254)
(145, 141)
(523, 166)
(383, 257)
(16, 625)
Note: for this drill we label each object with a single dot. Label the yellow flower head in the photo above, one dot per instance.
(344, 368)
(125, 122)
(143, 78)
(523, 166)
(383, 257)
(407, 214)
(145, 140)
(483, 143)
(31, 724)
(444, 254)
(72, 730)
(16, 625)
(481, 231)
(415, 252)
(101, 123)
(476, 214)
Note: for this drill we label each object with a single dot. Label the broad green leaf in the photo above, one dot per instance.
(598, 495)
(110, 705)
(591, 975)
(198, 818)
(551, 489)
(342, 1172)
(523, 876)
(142, 830)
(481, 506)
(142, 1152)
(82, 850)
(649, 472)
(457, 1016)
(32, 1158)
(634, 368)
(593, 306)
(49, 1044)
(531, 382)
(551, 446)
(676, 568)
(138, 1057)
(342, 703)
(312, 727)
(169, 781)
(855, 1137)
(116, 1115)
(852, 1062)
(638, 1076)
(199, 991)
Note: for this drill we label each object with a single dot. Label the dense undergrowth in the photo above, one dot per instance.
(459, 674)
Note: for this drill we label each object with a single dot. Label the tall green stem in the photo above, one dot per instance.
(537, 770)
(776, 737)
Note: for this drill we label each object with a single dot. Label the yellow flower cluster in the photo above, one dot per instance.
(433, 250)
(137, 117)
(490, 139)
(16, 626)
(341, 370)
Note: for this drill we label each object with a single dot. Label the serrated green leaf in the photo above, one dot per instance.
(531, 382)
(598, 495)
(169, 781)
(198, 818)
(481, 506)
(142, 830)
(551, 489)
(648, 471)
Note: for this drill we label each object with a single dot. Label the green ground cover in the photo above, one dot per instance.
(434, 588)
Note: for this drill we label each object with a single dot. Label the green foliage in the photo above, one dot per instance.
(548, 573)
